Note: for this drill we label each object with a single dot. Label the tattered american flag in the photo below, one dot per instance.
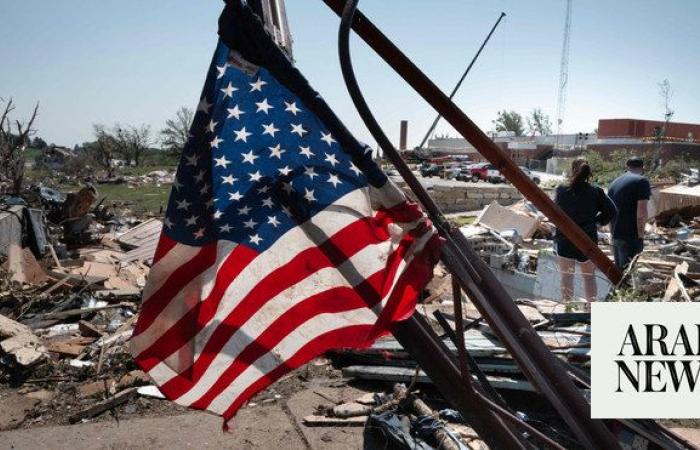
(282, 237)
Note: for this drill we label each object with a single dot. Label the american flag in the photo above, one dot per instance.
(279, 243)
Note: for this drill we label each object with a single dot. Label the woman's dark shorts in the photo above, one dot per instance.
(568, 250)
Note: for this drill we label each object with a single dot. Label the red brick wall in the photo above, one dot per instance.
(644, 128)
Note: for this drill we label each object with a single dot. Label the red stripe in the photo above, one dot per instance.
(189, 270)
(165, 244)
(343, 337)
(333, 252)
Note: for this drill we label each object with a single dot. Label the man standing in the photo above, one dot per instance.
(630, 192)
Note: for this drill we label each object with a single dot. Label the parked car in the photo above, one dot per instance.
(529, 173)
(430, 170)
(449, 171)
(477, 172)
(493, 175)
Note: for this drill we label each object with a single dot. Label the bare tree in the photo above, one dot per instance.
(13, 144)
(666, 93)
(176, 132)
(103, 150)
(538, 123)
(138, 141)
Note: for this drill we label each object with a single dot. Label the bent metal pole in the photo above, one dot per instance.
(485, 146)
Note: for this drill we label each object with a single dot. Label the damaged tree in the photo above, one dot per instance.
(13, 144)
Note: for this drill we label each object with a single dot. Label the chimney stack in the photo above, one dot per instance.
(404, 135)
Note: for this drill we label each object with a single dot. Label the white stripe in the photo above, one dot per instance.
(165, 266)
(361, 266)
(310, 330)
(346, 210)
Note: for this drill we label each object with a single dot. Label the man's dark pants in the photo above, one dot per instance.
(625, 250)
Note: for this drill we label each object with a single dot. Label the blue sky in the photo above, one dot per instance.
(137, 62)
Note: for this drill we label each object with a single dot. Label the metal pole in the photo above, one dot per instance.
(438, 100)
(464, 75)
(535, 360)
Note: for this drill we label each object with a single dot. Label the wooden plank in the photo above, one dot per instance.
(322, 421)
(138, 235)
(104, 405)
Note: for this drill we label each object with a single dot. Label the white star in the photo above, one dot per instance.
(225, 228)
(221, 70)
(223, 162)
(184, 204)
(257, 176)
(192, 160)
(286, 211)
(235, 196)
(270, 129)
(167, 222)
(334, 180)
(209, 203)
(204, 105)
(241, 135)
(229, 90)
(309, 195)
(176, 184)
(234, 112)
(264, 189)
(331, 159)
(257, 86)
(244, 211)
(287, 187)
(272, 220)
(250, 224)
(298, 129)
(292, 108)
(200, 176)
(215, 143)
(199, 234)
(217, 215)
(192, 220)
(203, 191)
(228, 179)
(264, 106)
(285, 171)
(276, 151)
(268, 202)
(212, 125)
(306, 151)
(255, 239)
(309, 171)
(249, 157)
(354, 168)
(327, 138)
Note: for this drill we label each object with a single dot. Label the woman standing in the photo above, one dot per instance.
(587, 206)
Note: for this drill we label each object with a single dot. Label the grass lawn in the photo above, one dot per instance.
(143, 199)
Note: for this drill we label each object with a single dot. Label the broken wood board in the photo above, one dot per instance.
(500, 218)
(323, 421)
(19, 341)
(23, 266)
(104, 405)
(148, 231)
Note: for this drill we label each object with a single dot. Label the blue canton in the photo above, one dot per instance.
(257, 162)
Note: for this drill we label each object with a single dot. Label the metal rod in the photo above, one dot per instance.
(535, 360)
(459, 325)
(464, 75)
(485, 146)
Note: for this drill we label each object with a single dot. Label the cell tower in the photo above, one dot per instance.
(564, 71)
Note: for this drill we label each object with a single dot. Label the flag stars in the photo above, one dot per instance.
(268, 203)
(249, 157)
(183, 204)
(309, 172)
(199, 234)
(264, 106)
(176, 184)
(331, 159)
(292, 108)
(204, 105)
(257, 176)
(272, 220)
(229, 90)
(306, 151)
(270, 129)
(264, 189)
(217, 215)
(244, 211)
(215, 143)
(354, 168)
(284, 171)
(298, 129)
(222, 162)
(255, 239)
(250, 224)
(225, 228)
(276, 151)
(234, 112)
(205, 190)
(309, 195)
(212, 126)
(257, 86)
(192, 220)
(200, 176)
(334, 180)
(192, 160)
(228, 179)
(221, 71)
(235, 196)
(168, 223)
(287, 187)
(241, 135)
(327, 138)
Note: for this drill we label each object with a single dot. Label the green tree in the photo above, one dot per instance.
(509, 121)
(176, 132)
(538, 123)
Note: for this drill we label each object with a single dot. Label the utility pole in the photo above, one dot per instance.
(563, 71)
